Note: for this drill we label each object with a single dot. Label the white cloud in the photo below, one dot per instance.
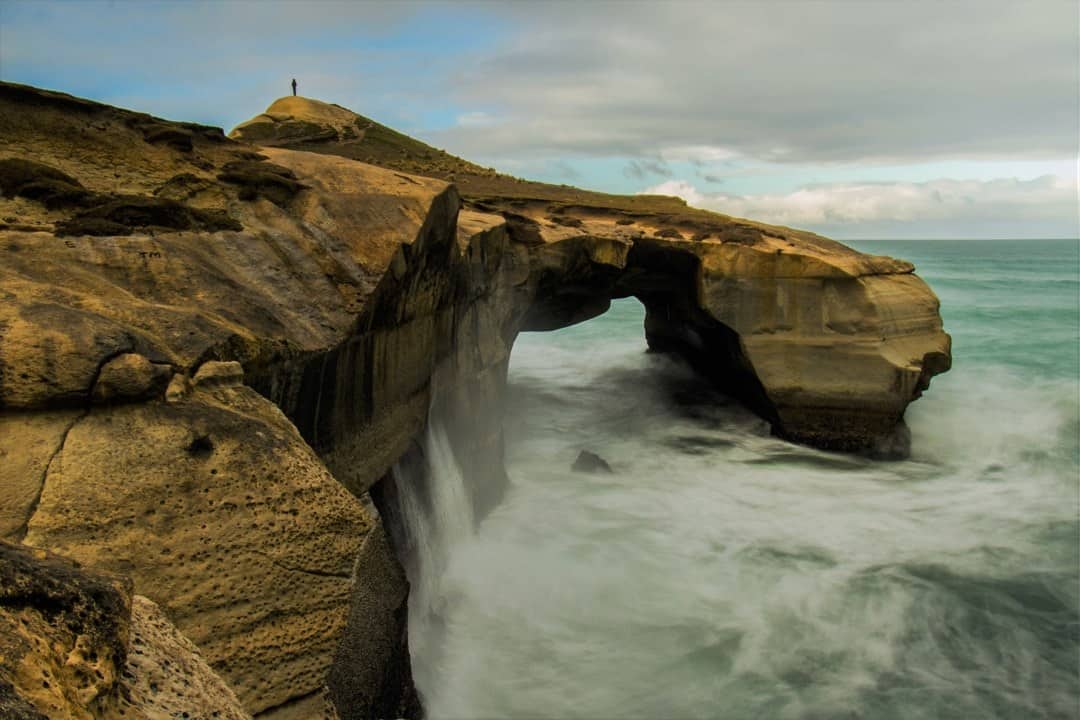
(786, 80)
(476, 118)
(697, 154)
(679, 188)
(1047, 204)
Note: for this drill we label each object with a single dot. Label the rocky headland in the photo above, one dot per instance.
(213, 350)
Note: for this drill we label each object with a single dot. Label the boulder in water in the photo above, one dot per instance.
(591, 463)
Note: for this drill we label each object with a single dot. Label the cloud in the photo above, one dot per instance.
(476, 118)
(640, 169)
(700, 82)
(679, 188)
(698, 154)
(784, 81)
(1021, 208)
(756, 94)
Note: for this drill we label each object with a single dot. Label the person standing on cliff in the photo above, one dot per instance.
(294, 87)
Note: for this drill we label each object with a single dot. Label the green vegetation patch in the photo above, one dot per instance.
(262, 179)
(36, 181)
(183, 186)
(175, 137)
(122, 214)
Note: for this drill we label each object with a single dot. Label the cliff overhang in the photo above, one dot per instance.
(212, 352)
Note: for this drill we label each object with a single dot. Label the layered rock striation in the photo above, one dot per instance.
(211, 355)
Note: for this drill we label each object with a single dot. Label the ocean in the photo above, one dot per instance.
(719, 572)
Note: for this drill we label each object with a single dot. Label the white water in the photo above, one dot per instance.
(721, 572)
(437, 514)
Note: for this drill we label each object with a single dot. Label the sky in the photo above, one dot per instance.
(855, 119)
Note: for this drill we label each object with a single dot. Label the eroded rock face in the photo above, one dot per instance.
(828, 344)
(205, 408)
(167, 676)
(77, 645)
(221, 514)
(299, 119)
(130, 377)
(63, 634)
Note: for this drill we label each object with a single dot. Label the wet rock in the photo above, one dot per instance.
(589, 462)
(892, 446)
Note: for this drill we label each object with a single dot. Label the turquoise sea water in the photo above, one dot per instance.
(722, 573)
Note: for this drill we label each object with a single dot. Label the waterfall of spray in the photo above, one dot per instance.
(436, 514)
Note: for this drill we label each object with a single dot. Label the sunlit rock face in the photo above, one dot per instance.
(211, 352)
(828, 344)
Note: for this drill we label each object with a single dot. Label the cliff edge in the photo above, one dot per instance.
(828, 344)
(213, 350)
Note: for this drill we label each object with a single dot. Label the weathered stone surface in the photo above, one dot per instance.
(28, 443)
(829, 344)
(63, 635)
(76, 645)
(166, 676)
(299, 119)
(130, 377)
(354, 303)
(221, 514)
(224, 374)
(371, 677)
(178, 388)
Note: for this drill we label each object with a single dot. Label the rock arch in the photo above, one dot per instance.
(182, 402)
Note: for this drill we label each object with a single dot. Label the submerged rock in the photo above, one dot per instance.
(590, 462)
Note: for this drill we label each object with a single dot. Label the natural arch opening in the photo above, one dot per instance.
(589, 386)
(664, 279)
(454, 472)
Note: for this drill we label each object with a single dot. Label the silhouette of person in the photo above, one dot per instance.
(294, 86)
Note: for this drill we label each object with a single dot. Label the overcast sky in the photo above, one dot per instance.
(856, 119)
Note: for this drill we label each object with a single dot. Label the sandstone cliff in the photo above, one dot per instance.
(76, 644)
(828, 344)
(212, 353)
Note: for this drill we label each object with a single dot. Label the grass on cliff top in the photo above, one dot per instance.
(391, 149)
